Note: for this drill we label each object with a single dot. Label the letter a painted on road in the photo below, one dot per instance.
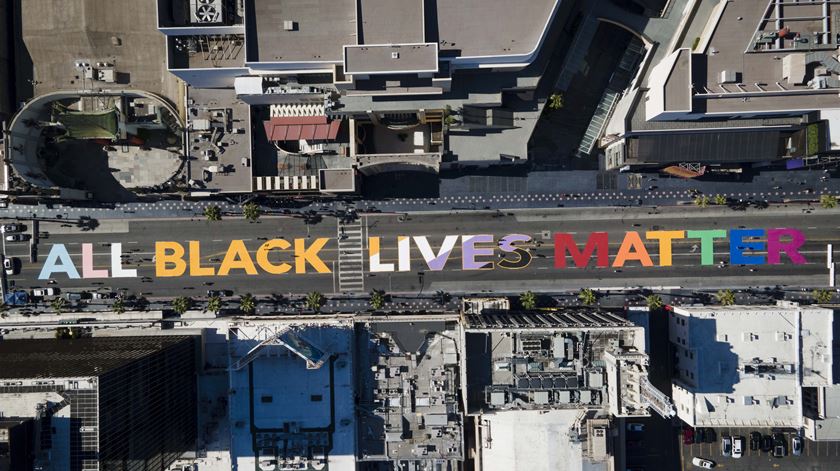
(58, 261)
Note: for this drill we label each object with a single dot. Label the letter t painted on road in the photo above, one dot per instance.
(707, 243)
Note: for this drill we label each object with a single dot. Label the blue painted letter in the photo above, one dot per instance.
(736, 254)
(58, 261)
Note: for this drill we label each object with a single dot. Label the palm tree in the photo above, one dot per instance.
(247, 304)
(828, 201)
(528, 300)
(654, 302)
(58, 304)
(377, 299)
(213, 213)
(720, 200)
(587, 297)
(555, 101)
(725, 297)
(315, 301)
(181, 304)
(701, 201)
(214, 304)
(251, 211)
(822, 296)
(119, 305)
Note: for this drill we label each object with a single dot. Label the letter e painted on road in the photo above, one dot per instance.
(469, 252)
(737, 247)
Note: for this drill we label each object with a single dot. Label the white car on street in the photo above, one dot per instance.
(702, 463)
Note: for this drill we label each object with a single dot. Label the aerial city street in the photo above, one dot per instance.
(419, 235)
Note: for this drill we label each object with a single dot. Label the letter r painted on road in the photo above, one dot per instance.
(775, 245)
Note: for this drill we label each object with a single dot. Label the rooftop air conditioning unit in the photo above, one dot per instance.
(206, 12)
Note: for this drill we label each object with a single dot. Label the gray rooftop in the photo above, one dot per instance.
(63, 358)
(391, 21)
(396, 58)
(489, 27)
(710, 146)
(320, 30)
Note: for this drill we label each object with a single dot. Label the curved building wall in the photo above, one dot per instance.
(6, 81)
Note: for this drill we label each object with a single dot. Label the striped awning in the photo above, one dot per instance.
(308, 128)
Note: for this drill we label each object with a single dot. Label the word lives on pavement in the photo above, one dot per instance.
(478, 252)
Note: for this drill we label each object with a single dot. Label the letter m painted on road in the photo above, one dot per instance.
(597, 242)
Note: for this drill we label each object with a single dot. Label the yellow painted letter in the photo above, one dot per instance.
(237, 258)
(665, 238)
(303, 255)
(195, 261)
(262, 256)
(175, 257)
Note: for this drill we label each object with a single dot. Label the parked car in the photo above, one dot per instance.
(41, 292)
(726, 446)
(17, 237)
(699, 435)
(702, 463)
(796, 445)
(11, 265)
(14, 227)
(737, 447)
(219, 292)
(74, 296)
(779, 445)
(103, 295)
(766, 443)
(688, 435)
(755, 441)
(635, 427)
(711, 435)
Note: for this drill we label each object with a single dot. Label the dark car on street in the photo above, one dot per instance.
(711, 435)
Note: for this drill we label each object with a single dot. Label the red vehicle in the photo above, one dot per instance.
(688, 435)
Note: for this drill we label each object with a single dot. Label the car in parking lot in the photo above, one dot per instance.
(711, 435)
(755, 441)
(688, 435)
(726, 445)
(219, 292)
(737, 447)
(702, 463)
(11, 265)
(779, 445)
(17, 237)
(635, 427)
(699, 435)
(766, 443)
(14, 227)
(796, 445)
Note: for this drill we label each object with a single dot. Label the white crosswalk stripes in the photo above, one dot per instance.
(351, 276)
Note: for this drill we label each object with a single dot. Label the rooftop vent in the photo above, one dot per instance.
(204, 12)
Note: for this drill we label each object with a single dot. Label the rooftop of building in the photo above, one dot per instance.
(317, 32)
(307, 31)
(742, 364)
(753, 57)
(408, 394)
(69, 358)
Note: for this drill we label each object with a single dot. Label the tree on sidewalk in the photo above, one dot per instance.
(377, 299)
(587, 296)
(58, 304)
(822, 296)
(528, 300)
(725, 297)
(214, 304)
(248, 304)
(828, 201)
(654, 302)
(181, 304)
(315, 301)
(119, 305)
(251, 211)
(701, 201)
(213, 213)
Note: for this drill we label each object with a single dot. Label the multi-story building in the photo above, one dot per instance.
(533, 380)
(750, 366)
(102, 403)
(758, 84)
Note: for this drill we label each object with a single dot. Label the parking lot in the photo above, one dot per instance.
(815, 455)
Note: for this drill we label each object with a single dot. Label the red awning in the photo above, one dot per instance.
(301, 127)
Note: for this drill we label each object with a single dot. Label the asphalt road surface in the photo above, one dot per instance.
(348, 258)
